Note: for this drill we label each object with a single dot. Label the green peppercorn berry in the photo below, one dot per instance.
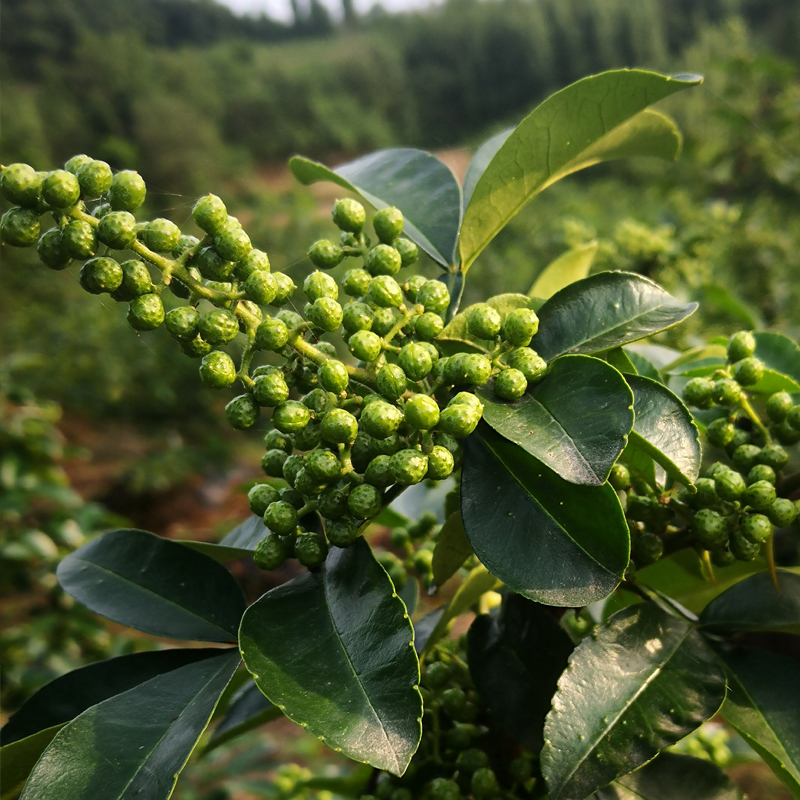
(467, 399)
(647, 548)
(277, 440)
(391, 381)
(778, 406)
(378, 472)
(271, 552)
(95, 178)
(761, 472)
(319, 401)
(722, 557)
(408, 467)
(306, 485)
(127, 191)
(51, 250)
(365, 345)
(364, 501)
(477, 369)
(161, 235)
(292, 497)
(385, 292)
(318, 284)
(415, 361)
(774, 456)
(529, 363)
(60, 189)
(194, 348)
(136, 281)
(746, 456)
(281, 517)
(19, 227)
(309, 437)
(379, 419)
(261, 288)
(619, 477)
(76, 162)
(786, 434)
(254, 261)
(181, 322)
(326, 314)
(484, 784)
(273, 461)
(242, 412)
(428, 326)
(740, 437)
(383, 259)
(715, 469)
(440, 463)
(642, 508)
(339, 427)
(349, 215)
(145, 313)
(356, 282)
(412, 286)
(443, 789)
(117, 230)
(748, 371)
(210, 215)
(740, 346)
(743, 548)
(357, 317)
(233, 244)
(218, 327)
(78, 239)
(271, 334)
(730, 485)
(292, 467)
(727, 393)
(212, 265)
(422, 412)
(760, 495)
(720, 432)
(434, 297)
(755, 527)
(793, 417)
(260, 497)
(322, 466)
(709, 528)
(706, 495)
(483, 321)
(782, 512)
(409, 253)
(519, 327)
(473, 759)
(333, 376)
(342, 532)
(270, 390)
(291, 416)
(21, 184)
(697, 393)
(100, 275)
(388, 224)
(217, 370)
(286, 288)
(383, 320)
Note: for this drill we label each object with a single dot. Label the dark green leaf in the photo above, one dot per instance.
(333, 649)
(779, 353)
(515, 660)
(218, 552)
(673, 777)
(641, 463)
(154, 585)
(576, 421)
(247, 535)
(643, 365)
(409, 594)
(763, 704)
(482, 158)
(605, 311)
(136, 743)
(574, 265)
(417, 183)
(755, 605)
(634, 687)
(248, 709)
(552, 541)
(423, 628)
(452, 549)
(620, 360)
(664, 429)
(596, 119)
(19, 758)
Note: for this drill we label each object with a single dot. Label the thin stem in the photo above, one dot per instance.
(748, 409)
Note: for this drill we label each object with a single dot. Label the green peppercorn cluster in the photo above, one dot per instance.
(459, 755)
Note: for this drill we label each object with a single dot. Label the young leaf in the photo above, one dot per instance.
(763, 704)
(249, 709)
(481, 159)
(417, 183)
(561, 544)
(333, 649)
(574, 265)
(636, 686)
(779, 353)
(452, 549)
(515, 660)
(673, 777)
(664, 429)
(154, 585)
(136, 743)
(605, 311)
(576, 421)
(755, 605)
(582, 125)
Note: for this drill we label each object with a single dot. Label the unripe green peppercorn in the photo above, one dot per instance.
(428, 326)
(709, 528)
(261, 497)
(95, 178)
(391, 381)
(76, 162)
(356, 282)
(254, 261)
(195, 347)
(271, 334)
(117, 230)
(322, 465)
(782, 512)
(60, 189)
(379, 473)
(706, 493)
(434, 297)
(365, 345)
(408, 467)
(529, 363)
(697, 393)
(443, 789)
(332, 503)
(286, 288)
(730, 485)
(467, 399)
(778, 406)
(720, 432)
(136, 281)
(19, 227)
(342, 532)
(261, 288)
(210, 215)
(415, 361)
(281, 517)
(746, 456)
(270, 390)
(748, 371)
(218, 327)
(318, 284)
(101, 275)
(212, 265)
(21, 185)
(292, 497)
(755, 527)
(422, 412)
(385, 292)
(722, 557)
(127, 191)
(339, 427)
(383, 320)
(619, 477)
(477, 369)
(161, 235)
(409, 253)
(510, 384)
(774, 456)
(742, 547)
(357, 316)
(242, 412)
(232, 244)
(388, 224)
(793, 417)
(349, 215)
(484, 784)
(325, 254)
(182, 322)
(275, 439)
(727, 393)
(761, 472)
(740, 437)
(364, 501)
(51, 250)
(741, 345)
(306, 485)
(333, 376)
(760, 495)
(290, 416)
(273, 461)
(145, 313)
(309, 437)
(78, 239)
(440, 463)
(380, 419)
(520, 326)
(786, 434)
(383, 260)
(647, 548)
(484, 321)
(326, 314)
(292, 467)
(271, 552)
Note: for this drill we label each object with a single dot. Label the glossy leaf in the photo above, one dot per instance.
(574, 265)
(472, 588)
(637, 685)
(640, 463)
(247, 535)
(763, 704)
(576, 421)
(595, 119)
(643, 365)
(18, 758)
(416, 182)
(552, 541)
(673, 777)
(248, 709)
(333, 649)
(452, 549)
(779, 353)
(481, 159)
(605, 311)
(755, 605)
(218, 552)
(154, 585)
(423, 628)
(136, 743)
(663, 428)
(515, 660)
(620, 360)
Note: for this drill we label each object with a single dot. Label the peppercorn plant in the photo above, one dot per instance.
(617, 591)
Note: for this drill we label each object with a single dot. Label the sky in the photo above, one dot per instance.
(280, 9)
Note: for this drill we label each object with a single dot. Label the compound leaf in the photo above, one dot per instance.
(558, 543)
(154, 585)
(636, 686)
(576, 421)
(333, 649)
(574, 265)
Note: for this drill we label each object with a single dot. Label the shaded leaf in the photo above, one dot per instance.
(643, 365)
(480, 160)
(620, 360)
(136, 743)
(353, 784)
(605, 311)
(779, 353)
(576, 421)
(635, 686)
(561, 544)
(18, 758)
(423, 628)
(725, 300)
(452, 549)
(515, 660)
(248, 709)
(247, 535)
(154, 585)
(416, 182)
(409, 594)
(641, 463)
(333, 649)
(574, 265)
(582, 125)
(218, 552)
